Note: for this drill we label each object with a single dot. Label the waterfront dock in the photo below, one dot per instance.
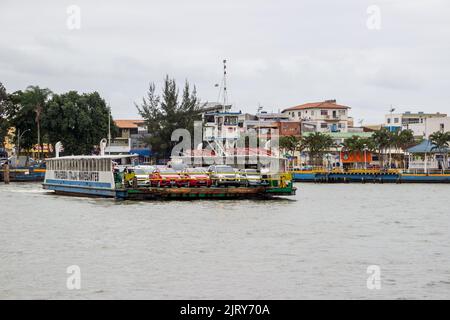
(369, 176)
(30, 174)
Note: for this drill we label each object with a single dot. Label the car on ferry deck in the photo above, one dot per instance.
(222, 175)
(167, 177)
(197, 177)
(142, 174)
(252, 177)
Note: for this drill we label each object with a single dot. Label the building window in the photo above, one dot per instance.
(312, 112)
(342, 112)
(324, 112)
(395, 120)
(298, 114)
(323, 125)
(442, 127)
(389, 120)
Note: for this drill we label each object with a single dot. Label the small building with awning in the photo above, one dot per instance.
(426, 156)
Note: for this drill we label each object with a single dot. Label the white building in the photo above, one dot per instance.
(326, 116)
(422, 124)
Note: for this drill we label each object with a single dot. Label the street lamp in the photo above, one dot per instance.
(19, 135)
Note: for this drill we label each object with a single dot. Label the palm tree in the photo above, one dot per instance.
(356, 144)
(382, 139)
(441, 142)
(403, 140)
(317, 143)
(291, 144)
(38, 97)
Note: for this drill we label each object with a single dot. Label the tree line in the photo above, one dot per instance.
(40, 116)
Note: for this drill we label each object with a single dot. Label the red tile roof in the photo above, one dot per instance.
(128, 124)
(318, 105)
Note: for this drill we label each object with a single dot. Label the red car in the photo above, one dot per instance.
(167, 178)
(197, 177)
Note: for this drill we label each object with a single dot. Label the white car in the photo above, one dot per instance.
(143, 174)
(223, 175)
(251, 177)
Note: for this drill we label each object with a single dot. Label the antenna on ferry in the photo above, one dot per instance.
(225, 94)
(109, 131)
(103, 143)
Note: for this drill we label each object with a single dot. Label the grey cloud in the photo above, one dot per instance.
(280, 53)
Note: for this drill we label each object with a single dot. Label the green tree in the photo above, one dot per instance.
(4, 119)
(36, 98)
(354, 144)
(79, 121)
(166, 113)
(291, 144)
(441, 143)
(403, 140)
(317, 143)
(382, 140)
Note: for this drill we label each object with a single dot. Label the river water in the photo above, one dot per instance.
(317, 244)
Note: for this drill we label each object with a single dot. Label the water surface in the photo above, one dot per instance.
(318, 244)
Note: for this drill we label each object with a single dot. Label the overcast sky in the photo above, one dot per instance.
(280, 53)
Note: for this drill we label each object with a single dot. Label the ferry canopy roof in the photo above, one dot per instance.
(112, 157)
(426, 146)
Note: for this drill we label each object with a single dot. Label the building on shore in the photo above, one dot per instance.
(325, 116)
(131, 139)
(422, 124)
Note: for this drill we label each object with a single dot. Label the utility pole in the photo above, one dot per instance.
(391, 110)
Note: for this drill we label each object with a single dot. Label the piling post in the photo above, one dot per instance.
(6, 173)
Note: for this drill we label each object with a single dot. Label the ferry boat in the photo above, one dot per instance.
(85, 175)
(96, 176)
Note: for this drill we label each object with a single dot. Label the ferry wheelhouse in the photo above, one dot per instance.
(85, 175)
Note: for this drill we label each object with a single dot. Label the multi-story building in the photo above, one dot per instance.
(265, 123)
(417, 122)
(131, 139)
(325, 116)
